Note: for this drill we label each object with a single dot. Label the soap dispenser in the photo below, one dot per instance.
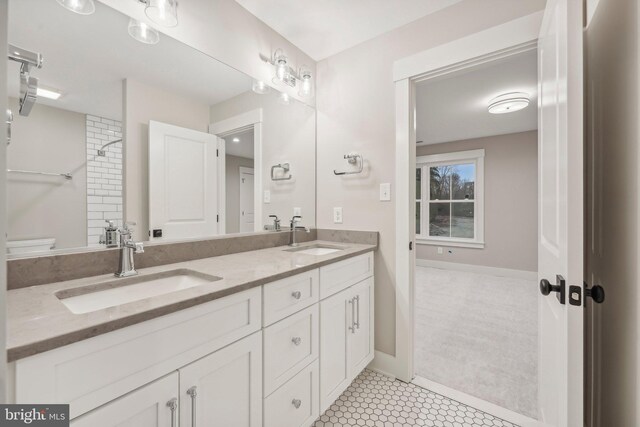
(110, 235)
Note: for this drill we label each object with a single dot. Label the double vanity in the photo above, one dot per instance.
(267, 337)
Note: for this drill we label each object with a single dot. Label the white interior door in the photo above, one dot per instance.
(561, 207)
(247, 211)
(183, 189)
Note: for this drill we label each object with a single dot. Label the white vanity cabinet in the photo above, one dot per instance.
(224, 388)
(275, 356)
(153, 405)
(346, 339)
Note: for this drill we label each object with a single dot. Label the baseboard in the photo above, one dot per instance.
(477, 403)
(479, 269)
(383, 363)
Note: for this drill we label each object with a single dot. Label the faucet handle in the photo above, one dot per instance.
(139, 249)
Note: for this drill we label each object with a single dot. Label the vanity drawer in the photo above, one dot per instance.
(94, 371)
(286, 296)
(341, 275)
(289, 346)
(295, 404)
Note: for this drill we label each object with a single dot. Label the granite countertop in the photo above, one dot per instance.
(38, 321)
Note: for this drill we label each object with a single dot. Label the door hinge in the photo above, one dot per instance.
(217, 218)
(410, 246)
(217, 153)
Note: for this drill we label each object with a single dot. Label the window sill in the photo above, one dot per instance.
(450, 243)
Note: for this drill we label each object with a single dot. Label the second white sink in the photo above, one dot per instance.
(316, 250)
(121, 291)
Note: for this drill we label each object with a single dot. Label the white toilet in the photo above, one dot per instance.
(31, 245)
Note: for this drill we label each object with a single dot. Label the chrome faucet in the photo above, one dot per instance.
(128, 247)
(294, 228)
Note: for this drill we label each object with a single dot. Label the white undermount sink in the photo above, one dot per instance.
(316, 249)
(116, 292)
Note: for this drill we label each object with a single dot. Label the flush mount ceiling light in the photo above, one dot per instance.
(509, 103)
(260, 87)
(48, 93)
(236, 140)
(143, 32)
(162, 12)
(82, 7)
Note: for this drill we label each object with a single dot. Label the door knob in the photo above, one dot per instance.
(546, 288)
(596, 293)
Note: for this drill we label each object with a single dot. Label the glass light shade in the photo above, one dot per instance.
(260, 87)
(143, 32)
(508, 103)
(162, 12)
(82, 7)
(305, 83)
(284, 99)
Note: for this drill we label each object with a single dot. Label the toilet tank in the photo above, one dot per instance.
(28, 246)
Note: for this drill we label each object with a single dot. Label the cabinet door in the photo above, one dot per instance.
(360, 338)
(335, 314)
(148, 406)
(224, 389)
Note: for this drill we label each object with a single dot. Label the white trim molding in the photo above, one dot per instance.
(448, 242)
(478, 269)
(501, 41)
(245, 120)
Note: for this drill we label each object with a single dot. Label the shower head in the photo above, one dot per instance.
(101, 151)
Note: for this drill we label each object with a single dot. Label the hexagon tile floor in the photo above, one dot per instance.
(379, 401)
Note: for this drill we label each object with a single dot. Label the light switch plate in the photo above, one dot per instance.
(337, 215)
(267, 196)
(385, 192)
(297, 211)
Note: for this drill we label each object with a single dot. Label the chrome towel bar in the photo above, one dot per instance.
(65, 175)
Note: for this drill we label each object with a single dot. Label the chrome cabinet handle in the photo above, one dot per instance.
(193, 392)
(296, 340)
(173, 406)
(357, 323)
(296, 294)
(296, 403)
(352, 328)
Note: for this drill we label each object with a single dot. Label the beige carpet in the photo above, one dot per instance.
(478, 334)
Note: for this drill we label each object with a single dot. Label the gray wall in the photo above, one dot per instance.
(613, 231)
(51, 140)
(510, 203)
(232, 191)
(356, 111)
(141, 104)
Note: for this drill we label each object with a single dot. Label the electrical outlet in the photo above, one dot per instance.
(440, 250)
(297, 211)
(267, 196)
(337, 215)
(385, 192)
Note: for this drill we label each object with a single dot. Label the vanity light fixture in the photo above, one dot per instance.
(287, 75)
(508, 103)
(162, 12)
(82, 7)
(260, 87)
(48, 93)
(142, 32)
(284, 99)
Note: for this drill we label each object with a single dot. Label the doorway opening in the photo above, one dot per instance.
(476, 232)
(239, 181)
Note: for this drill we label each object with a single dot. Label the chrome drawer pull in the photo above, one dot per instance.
(173, 406)
(193, 392)
(296, 340)
(296, 294)
(296, 403)
(357, 323)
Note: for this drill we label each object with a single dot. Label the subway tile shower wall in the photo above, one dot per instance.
(104, 176)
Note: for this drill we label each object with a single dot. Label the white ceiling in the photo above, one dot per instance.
(244, 148)
(454, 107)
(87, 57)
(326, 27)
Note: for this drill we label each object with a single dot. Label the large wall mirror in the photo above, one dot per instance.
(157, 134)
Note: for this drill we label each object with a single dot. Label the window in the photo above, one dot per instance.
(449, 199)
